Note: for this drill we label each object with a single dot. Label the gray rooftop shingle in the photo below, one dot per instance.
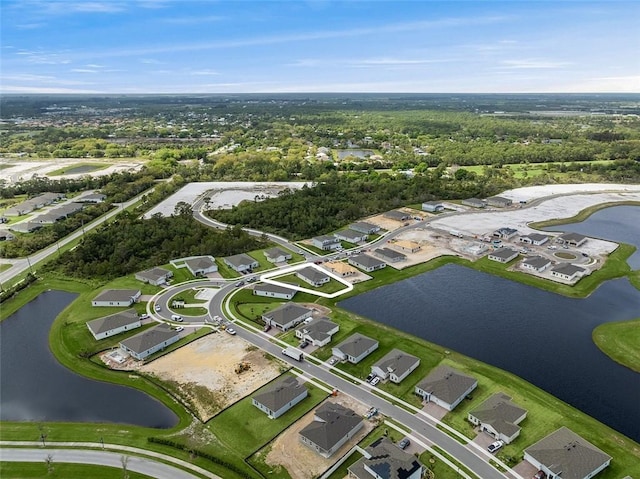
(116, 295)
(312, 274)
(202, 262)
(356, 344)
(446, 383)
(366, 261)
(391, 254)
(397, 362)
(273, 288)
(387, 460)
(537, 261)
(500, 413)
(318, 329)
(153, 274)
(280, 393)
(568, 269)
(240, 260)
(286, 313)
(336, 422)
(113, 321)
(149, 338)
(503, 253)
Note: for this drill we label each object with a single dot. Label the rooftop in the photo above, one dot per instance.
(280, 393)
(356, 344)
(286, 313)
(150, 338)
(335, 421)
(240, 260)
(312, 274)
(503, 253)
(113, 321)
(397, 362)
(366, 261)
(387, 461)
(446, 383)
(501, 413)
(117, 295)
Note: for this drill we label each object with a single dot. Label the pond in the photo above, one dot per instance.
(540, 336)
(35, 387)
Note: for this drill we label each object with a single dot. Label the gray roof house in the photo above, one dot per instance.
(395, 366)
(355, 348)
(498, 417)
(474, 202)
(332, 426)
(565, 455)
(364, 227)
(154, 276)
(326, 242)
(277, 255)
(384, 460)
(150, 341)
(351, 236)
(445, 386)
(241, 262)
(6, 235)
(390, 255)
(25, 226)
(313, 276)
(503, 255)
(273, 291)
(396, 215)
(536, 263)
(116, 297)
(201, 265)
(499, 201)
(92, 198)
(568, 272)
(114, 324)
(433, 206)
(366, 263)
(281, 396)
(572, 239)
(536, 239)
(287, 316)
(317, 332)
(505, 233)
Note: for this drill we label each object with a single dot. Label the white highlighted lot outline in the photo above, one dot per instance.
(266, 278)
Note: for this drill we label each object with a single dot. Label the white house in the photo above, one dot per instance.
(568, 272)
(287, 316)
(273, 291)
(364, 227)
(505, 233)
(366, 263)
(446, 387)
(280, 397)
(351, 236)
(241, 262)
(313, 276)
(395, 366)
(332, 426)
(535, 239)
(503, 255)
(355, 348)
(154, 276)
(326, 242)
(114, 324)
(536, 263)
(572, 239)
(499, 201)
(117, 297)
(498, 417)
(277, 255)
(317, 332)
(201, 265)
(384, 459)
(150, 341)
(433, 206)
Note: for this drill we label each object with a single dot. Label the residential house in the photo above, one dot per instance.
(332, 426)
(117, 297)
(201, 265)
(59, 214)
(92, 198)
(154, 276)
(326, 242)
(340, 268)
(286, 316)
(364, 227)
(407, 246)
(446, 387)
(114, 324)
(31, 204)
(499, 201)
(395, 366)
(355, 348)
(571, 239)
(385, 460)
(25, 226)
(535, 239)
(389, 255)
(351, 236)
(241, 263)
(313, 276)
(568, 272)
(503, 255)
(366, 263)
(498, 417)
(536, 263)
(273, 291)
(6, 235)
(150, 341)
(318, 332)
(565, 455)
(433, 206)
(281, 396)
(505, 233)
(397, 215)
(474, 203)
(277, 255)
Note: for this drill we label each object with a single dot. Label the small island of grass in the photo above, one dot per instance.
(620, 341)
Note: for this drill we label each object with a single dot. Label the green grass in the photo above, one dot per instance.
(15, 219)
(66, 169)
(4, 266)
(189, 296)
(38, 470)
(259, 256)
(313, 249)
(225, 271)
(331, 287)
(441, 469)
(620, 341)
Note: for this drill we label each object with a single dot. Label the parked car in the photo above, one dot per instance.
(303, 344)
(375, 381)
(404, 443)
(371, 412)
(217, 318)
(370, 377)
(231, 331)
(332, 361)
(239, 283)
(157, 307)
(180, 328)
(144, 316)
(494, 446)
(176, 317)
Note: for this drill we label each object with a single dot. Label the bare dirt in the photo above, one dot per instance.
(204, 372)
(299, 460)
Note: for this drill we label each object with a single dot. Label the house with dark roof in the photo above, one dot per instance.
(390, 255)
(6, 235)
(114, 324)
(241, 262)
(92, 198)
(355, 348)
(498, 417)
(58, 214)
(384, 460)
(565, 455)
(397, 215)
(313, 276)
(366, 263)
(317, 332)
(572, 239)
(499, 201)
(536, 263)
(568, 272)
(117, 297)
(445, 386)
(26, 226)
(332, 426)
(351, 236)
(505, 233)
(535, 239)
(201, 265)
(273, 291)
(474, 202)
(150, 341)
(277, 255)
(286, 316)
(433, 206)
(281, 396)
(364, 227)
(503, 255)
(326, 242)
(154, 276)
(395, 366)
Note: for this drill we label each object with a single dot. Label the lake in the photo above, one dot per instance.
(540, 336)
(35, 387)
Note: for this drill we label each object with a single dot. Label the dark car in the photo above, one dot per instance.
(370, 377)
(303, 344)
(404, 443)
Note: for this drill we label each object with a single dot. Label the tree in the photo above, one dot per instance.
(124, 460)
(48, 460)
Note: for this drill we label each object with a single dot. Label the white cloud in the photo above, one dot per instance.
(533, 64)
(204, 72)
(192, 20)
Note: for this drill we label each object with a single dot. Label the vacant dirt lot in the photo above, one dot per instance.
(300, 461)
(204, 372)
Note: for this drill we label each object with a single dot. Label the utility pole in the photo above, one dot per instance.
(29, 263)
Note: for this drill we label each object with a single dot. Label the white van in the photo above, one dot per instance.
(176, 317)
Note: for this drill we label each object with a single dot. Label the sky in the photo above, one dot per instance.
(225, 46)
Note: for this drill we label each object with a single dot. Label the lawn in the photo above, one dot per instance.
(37, 470)
(331, 287)
(79, 168)
(620, 341)
(225, 271)
(4, 266)
(188, 296)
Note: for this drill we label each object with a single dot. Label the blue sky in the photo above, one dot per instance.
(183, 46)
